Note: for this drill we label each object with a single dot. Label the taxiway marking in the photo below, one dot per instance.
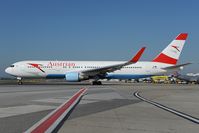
(176, 112)
(49, 123)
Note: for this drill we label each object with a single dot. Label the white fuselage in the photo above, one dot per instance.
(58, 69)
(73, 71)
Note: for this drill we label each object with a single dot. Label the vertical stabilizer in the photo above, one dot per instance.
(171, 53)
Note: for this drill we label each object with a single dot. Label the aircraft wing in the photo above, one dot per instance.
(112, 68)
(176, 66)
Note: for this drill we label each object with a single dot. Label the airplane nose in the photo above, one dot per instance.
(7, 70)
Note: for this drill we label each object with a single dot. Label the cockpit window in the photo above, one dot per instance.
(12, 66)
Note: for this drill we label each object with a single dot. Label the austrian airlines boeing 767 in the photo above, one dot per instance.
(75, 71)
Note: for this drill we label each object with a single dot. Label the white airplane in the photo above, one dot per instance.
(75, 71)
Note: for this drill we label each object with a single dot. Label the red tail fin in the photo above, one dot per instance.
(171, 53)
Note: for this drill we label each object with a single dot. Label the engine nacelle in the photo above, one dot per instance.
(72, 77)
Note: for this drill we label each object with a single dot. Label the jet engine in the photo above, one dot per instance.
(73, 77)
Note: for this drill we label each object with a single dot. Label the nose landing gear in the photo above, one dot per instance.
(19, 81)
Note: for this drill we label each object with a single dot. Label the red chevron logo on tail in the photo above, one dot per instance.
(176, 48)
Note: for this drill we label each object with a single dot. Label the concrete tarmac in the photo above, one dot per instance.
(111, 107)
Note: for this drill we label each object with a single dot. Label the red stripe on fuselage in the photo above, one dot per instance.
(165, 59)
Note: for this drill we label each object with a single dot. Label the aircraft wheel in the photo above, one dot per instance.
(96, 83)
(99, 83)
(20, 82)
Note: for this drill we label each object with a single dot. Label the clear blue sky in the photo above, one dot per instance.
(95, 29)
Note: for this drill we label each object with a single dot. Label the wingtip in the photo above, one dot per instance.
(138, 55)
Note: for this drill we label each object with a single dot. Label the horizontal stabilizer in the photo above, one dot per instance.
(176, 66)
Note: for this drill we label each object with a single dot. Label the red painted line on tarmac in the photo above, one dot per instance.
(45, 125)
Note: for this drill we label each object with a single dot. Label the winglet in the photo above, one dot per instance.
(138, 55)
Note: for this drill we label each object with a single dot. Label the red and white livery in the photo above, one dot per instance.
(171, 53)
(75, 71)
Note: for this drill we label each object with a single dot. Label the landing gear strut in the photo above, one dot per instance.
(96, 83)
(19, 81)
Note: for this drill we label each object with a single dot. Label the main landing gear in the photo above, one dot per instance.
(96, 83)
(19, 81)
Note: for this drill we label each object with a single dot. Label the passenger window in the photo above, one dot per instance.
(12, 66)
